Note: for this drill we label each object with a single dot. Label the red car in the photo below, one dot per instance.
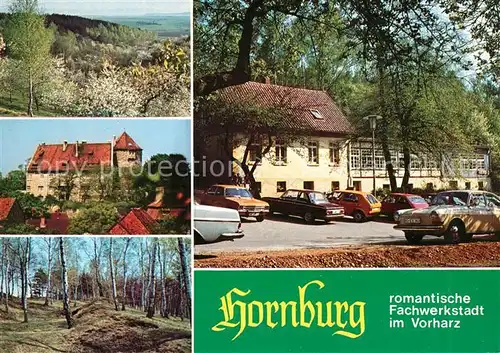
(395, 202)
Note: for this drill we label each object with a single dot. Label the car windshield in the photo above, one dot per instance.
(317, 198)
(371, 198)
(457, 199)
(416, 199)
(237, 192)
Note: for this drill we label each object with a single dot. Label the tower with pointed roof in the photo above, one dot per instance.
(126, 152)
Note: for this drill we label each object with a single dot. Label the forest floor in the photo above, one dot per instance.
(98, 328)
(474, 254)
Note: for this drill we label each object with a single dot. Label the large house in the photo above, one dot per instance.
(50, 162)
(327, 157)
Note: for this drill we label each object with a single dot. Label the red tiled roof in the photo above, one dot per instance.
(297, 103)
(136, 222)
(6, 204)
(125, 142)
(58, 221)
(53, 158)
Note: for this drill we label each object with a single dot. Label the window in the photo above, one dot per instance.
(211, 190)
(478, 200)
(492, 199)
(453, 184)
(255, 153)
(281, 186)
(219, 191)
(357, 185)
(237, 192)
(348, 197)
(379, 159)
(28, 188)
(309, 185)
(303, 197)
(480, 185)
(290, 194)
(334, 153)
(355, 160)
(415, 163)
(366, 159)
(316, 114)
(335, 185)
(313, 153)
(280, 151)
(467, 185)
(40, 187)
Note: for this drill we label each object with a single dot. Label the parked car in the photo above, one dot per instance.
(454, 215)
(215, 224)
(309, 204)
(357, 204)
(238, 198)
(395, 202)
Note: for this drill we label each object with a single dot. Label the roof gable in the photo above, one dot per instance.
(125, 142)
(6, 204)
(310, 110)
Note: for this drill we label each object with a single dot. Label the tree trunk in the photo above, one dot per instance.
(111, 269)
(124, 291)
(7, 279)
(185, 275)
(23, 265)
(406, 176)
(97, 275)
(49, 275)
(67, 310)
(2, 270)
(152, 284)
(30, 94)
(163, 310)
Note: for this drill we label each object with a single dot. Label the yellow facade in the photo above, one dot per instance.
(298, 171)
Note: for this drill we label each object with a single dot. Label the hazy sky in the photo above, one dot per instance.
(109, 7)
(19, 138)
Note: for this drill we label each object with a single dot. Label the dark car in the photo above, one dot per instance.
(309, 204)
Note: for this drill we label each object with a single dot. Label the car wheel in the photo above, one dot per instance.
(260, 218)
(455, 233)
(309, 218)
(358, 216)
(413, 238)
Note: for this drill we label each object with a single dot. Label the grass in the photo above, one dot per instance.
(17, 106)
(98, 328)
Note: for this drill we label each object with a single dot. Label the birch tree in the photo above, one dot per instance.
(152, 283)
(124, 288)
(111, 269)
(48, 298)
(66, 308)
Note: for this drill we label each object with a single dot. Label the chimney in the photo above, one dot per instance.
(65, 145)
(267, 80)
(77, 149)
(43, 223)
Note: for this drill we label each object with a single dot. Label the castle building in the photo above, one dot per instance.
(53, 167)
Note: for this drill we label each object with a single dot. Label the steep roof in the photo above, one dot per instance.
(6, 204)
(125, 142)
(306, 109)
(56, 157)
(136, 222)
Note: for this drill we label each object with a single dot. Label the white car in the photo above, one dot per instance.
(215, 224)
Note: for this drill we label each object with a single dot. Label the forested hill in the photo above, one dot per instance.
(76, 24)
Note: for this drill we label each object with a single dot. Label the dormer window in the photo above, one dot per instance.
(316, 114)
(91, 153)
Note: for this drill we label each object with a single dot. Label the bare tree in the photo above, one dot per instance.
(111, 269)
(97, 256)
(161, 260)
(23, 253)
(152, 283)
(124, 289)
(185, 274)
(66, 308)
(48, 298)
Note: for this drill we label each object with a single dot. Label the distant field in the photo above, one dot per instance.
(165, 25)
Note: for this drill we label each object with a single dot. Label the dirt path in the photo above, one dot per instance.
(477, 254)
